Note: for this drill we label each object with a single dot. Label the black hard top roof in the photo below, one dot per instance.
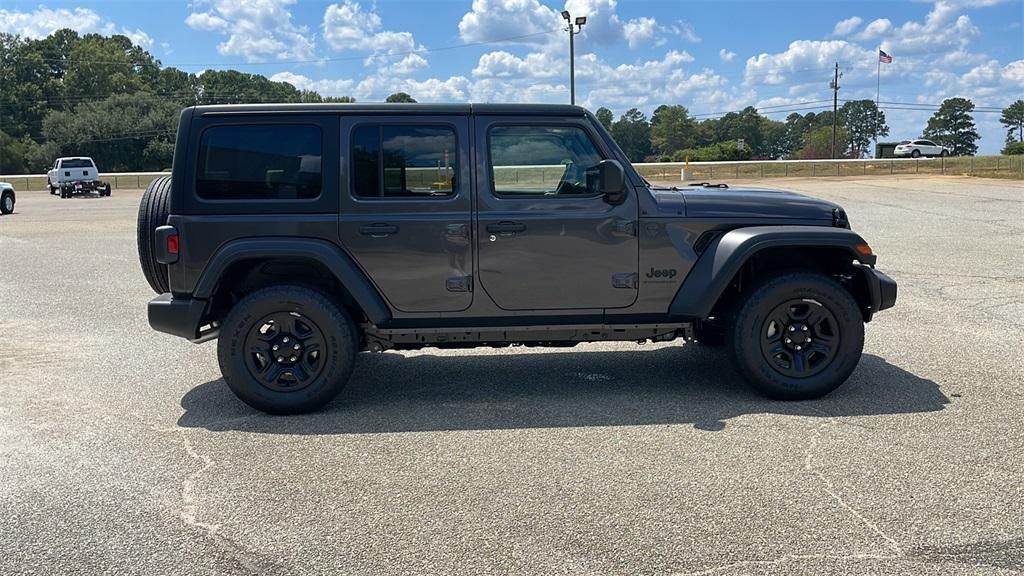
(396, 109)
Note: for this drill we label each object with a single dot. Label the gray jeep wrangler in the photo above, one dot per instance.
(304, 234)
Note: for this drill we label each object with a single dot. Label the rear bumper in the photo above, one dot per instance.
(182, 317)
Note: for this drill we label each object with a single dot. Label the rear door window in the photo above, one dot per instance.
(391, 161)
(260, 162)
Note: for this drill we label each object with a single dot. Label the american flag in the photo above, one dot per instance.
(884, 58)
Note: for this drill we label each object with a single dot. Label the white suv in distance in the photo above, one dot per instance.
(918, 148)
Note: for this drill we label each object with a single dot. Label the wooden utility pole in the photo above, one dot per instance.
(834, 85)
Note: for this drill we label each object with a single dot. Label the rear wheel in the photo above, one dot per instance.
(154, 208)
(286, 349)
(797, 336)
(915, 154)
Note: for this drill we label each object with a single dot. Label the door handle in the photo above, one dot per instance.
(506, 228)
(378, 230)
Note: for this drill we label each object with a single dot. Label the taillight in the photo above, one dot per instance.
(166, 244)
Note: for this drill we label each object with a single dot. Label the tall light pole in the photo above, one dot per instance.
(573, 30)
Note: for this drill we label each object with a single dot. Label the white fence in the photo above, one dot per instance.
(985, 166)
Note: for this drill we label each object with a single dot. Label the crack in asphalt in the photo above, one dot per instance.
(830, 490)
(247, 559)
(896, 552)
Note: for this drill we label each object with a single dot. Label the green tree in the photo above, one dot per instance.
(953, 126)
(774, 139)
(605, 117)
(1013, 120)
(863, 122)
(818, 143)
(400, 97)
(672, 129)
(632, 133)
(121, 133)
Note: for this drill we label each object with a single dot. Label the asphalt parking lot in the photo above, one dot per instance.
(122, 451)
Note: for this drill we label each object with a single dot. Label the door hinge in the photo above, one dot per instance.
(460, 284)
(628, 280)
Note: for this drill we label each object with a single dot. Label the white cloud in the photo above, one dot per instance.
(255, 29)
(205, 21)
(803, 57)
(346, 26)
(502, 64)
(844, 27)
(640, 31)
(491, 20)
(323, 87)
(875, 29)
(44, 21)
(726, 56)
(942, 30)
(511, 20)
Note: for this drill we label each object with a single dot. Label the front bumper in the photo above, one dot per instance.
(881, 289)
(182, 317)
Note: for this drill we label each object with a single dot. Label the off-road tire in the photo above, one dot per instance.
(339, 345)
(6, 203)
(154, 208)
(752, 323)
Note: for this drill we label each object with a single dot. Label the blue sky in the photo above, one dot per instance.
(712, 57)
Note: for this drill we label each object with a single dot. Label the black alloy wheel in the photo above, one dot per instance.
(285, 351)
(799, 338)
(796, 336)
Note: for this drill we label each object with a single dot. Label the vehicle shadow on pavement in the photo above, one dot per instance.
(674, 385)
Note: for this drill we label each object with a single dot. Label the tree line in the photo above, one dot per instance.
(103, 96)
(672, 134)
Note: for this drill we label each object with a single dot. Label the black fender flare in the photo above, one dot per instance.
(724, 257)
(331, 256)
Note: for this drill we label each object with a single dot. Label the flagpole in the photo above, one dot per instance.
(878, 88)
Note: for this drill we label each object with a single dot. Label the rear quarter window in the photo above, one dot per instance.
(260, 162)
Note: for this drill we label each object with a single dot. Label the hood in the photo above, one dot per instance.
(741, 203)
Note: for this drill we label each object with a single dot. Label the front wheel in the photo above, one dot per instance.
(7, 204)
(943, 154)
(797, 336)
(286, 349)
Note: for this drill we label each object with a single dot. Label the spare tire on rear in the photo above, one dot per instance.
(153, 211)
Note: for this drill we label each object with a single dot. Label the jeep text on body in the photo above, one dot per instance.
(304, 234)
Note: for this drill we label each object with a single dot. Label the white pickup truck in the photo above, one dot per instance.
(71, 176)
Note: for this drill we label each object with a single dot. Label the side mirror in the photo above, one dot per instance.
(612, 181)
